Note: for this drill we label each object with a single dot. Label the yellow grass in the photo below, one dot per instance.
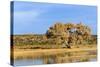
(35, 53)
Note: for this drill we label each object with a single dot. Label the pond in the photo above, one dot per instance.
(68, 57)
(26, 62)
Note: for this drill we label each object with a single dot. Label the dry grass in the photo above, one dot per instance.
(36, 53)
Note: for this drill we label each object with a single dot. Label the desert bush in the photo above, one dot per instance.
(59, 34)
(72, 33)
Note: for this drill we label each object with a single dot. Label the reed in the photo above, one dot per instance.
(38, 53)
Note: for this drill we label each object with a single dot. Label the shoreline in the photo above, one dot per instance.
(36, 53)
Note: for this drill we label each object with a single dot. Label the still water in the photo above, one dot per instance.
(26, 62)
(69, 57)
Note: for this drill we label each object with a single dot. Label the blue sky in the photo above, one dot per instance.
(32, 17)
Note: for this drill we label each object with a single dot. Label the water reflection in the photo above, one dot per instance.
(26, 62)
(60, 58)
